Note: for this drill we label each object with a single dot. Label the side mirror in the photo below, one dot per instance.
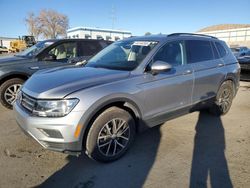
(49, 57)
(160, 66)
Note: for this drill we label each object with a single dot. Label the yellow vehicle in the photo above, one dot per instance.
(22, 43)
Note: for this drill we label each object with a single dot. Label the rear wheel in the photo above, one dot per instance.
(224, 99)
(110, 135)
(9, 90)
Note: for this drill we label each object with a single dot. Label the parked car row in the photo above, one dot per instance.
(245, 61)
(15, 70)
(130, 85)
(3, 50)
(243, 56)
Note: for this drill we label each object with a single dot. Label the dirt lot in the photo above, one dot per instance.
(195, 150)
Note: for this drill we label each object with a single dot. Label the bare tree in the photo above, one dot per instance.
(49, 24)
(53, 24)
(32, 23)
(148, 33)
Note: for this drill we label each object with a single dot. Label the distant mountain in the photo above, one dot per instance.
(223, 27)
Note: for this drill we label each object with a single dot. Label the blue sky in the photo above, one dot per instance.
(137, 16)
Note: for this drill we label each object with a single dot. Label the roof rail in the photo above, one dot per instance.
(191, 34)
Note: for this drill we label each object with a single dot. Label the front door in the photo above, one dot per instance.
(61, 54)
(172, 90)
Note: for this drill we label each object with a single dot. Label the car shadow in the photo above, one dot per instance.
(208, 155)
(130, 171)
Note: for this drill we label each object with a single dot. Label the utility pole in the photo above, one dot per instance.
(113, 16)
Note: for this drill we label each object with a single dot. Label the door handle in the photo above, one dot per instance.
(220, 65)
(34, 68)
(187, 72)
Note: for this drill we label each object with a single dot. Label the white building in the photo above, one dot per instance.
(97, 33)
(232, 34)
(5, 41)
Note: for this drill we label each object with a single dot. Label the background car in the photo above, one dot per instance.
(239, 51)
(244, 62)
(3, 49)
(16, 69)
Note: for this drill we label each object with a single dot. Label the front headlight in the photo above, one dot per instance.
(54, 108)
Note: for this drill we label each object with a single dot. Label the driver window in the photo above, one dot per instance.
(64, 51)
(171, 53)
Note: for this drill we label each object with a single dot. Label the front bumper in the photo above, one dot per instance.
(52, 133)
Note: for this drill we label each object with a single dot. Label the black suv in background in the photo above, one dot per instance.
(16, 69)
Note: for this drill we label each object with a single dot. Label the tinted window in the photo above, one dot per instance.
(171, 53)
(89, 48)
(221, 49)
(198, 50)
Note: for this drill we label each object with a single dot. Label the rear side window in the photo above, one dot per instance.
(220, 49)
(89, 48)
(198, 50)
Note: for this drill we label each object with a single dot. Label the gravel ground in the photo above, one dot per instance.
(196, 150)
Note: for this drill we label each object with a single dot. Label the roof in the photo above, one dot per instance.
(148, 37)
(97, 29)
(160, 37)
(70, 39)
(224, 27)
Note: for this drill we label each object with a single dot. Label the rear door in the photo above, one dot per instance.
(208, 68)
(88, 49)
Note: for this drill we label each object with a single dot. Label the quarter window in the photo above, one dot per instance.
(221, 49)
(198, 50)
(171, 53)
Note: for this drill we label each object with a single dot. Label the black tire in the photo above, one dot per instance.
(4, 89)
(224, 99)
(95, 144)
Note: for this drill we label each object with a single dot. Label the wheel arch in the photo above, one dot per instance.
(233, 79)
(13, 75)
(123, 103)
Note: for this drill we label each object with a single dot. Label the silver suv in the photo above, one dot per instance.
(130, 85)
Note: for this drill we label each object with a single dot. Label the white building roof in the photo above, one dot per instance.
(97, 29)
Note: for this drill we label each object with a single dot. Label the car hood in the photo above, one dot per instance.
(59, 82)
(12, 60)
(245, 59)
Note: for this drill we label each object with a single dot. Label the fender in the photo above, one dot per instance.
(97, 108)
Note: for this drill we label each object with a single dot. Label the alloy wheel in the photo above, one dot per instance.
(225, 100)
(113, 137)
(11, 93)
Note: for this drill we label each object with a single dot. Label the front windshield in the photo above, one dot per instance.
(35, 49)
(122, 55)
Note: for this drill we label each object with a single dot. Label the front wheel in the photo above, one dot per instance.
(224, 99)
(110, 135)
(9, 90)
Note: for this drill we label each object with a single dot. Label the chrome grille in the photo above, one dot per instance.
(245, 66)
(27, 102)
